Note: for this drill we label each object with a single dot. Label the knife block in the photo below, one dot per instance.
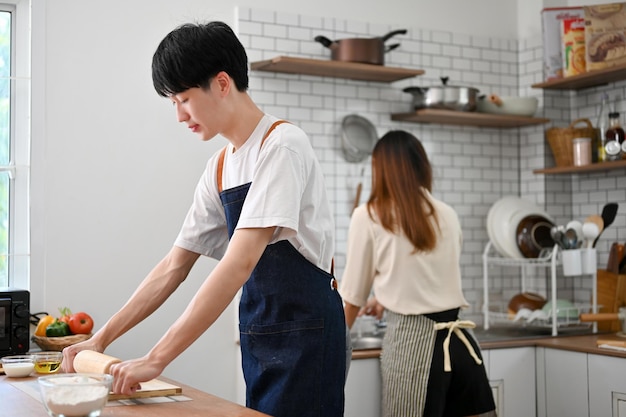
(611, 296)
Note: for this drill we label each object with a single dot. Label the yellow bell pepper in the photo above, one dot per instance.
(43, 323)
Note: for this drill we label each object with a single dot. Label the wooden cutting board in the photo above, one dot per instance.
(87, 361)
(154, 388)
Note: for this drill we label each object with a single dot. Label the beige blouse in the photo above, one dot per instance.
(403, 282)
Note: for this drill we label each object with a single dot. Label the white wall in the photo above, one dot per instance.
(113, 172)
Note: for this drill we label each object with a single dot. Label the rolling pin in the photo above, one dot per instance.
(616, 343)
(599, 316)
(89, 361)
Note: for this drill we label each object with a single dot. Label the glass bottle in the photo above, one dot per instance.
(614, 138)
(601, 125)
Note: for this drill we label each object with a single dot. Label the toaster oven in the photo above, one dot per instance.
(14, 321)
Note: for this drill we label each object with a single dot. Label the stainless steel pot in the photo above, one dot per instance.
(363, 50)
(446, 96)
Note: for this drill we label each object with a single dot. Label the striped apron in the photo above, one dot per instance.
(431, 366)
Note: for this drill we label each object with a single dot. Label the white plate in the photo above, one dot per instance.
(502, 226)
(499, 224)
(494, 223)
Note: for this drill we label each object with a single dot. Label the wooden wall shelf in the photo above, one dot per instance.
(451, 117)
(335, 69)
(598, 167)
(586, 80)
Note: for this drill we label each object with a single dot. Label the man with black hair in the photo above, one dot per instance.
(261, 209)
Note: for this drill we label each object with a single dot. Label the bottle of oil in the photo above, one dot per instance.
(601, 125)
(614, 138)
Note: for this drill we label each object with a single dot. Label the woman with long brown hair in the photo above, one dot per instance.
(405, 246)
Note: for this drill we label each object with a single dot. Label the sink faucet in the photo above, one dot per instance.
(379, 325)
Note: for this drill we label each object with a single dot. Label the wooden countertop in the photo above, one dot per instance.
(16, 403)
(584, 344)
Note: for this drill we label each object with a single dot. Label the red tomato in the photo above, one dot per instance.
(80, 323)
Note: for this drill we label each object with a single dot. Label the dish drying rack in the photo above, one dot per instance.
(563, 319)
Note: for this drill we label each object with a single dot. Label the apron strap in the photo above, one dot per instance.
(220, 169)
(456, 326)
(220, 161)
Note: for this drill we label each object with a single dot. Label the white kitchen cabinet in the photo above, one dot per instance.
(512, 377)
(364, 388)
(565, 385)
(607, 386)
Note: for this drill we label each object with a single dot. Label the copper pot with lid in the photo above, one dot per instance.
(363, 50)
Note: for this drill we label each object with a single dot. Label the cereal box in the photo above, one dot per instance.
(552, 43)
(605, 35)
(573, 37)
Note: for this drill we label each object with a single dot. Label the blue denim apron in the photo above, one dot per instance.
(292, 329)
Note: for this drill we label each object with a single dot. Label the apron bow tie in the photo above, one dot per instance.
(456, 326)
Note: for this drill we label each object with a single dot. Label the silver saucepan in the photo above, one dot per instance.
(445, 96)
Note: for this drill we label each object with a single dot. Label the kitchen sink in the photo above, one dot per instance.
(374, 340)
(367, 342)
(517, 333)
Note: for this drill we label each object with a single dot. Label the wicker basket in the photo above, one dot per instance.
(58, 343)
(561, 140)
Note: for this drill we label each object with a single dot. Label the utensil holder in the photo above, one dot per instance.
(572, 262)
(589, 260)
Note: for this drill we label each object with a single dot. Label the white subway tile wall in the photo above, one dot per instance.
(474, 167)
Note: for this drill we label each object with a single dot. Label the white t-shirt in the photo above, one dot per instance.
(403, 282)
(287, 191)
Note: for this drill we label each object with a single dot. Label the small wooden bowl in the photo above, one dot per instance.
(527, 300)
(59, 343)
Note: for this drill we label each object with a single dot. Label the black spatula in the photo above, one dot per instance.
(609, 211)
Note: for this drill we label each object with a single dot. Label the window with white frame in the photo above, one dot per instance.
(14, 145)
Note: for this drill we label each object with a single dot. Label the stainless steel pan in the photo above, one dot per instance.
(445, 96)
(358, 138)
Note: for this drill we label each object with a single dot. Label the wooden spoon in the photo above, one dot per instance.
(609, 211)
(357, 197)
(597, 219)
(590, 232)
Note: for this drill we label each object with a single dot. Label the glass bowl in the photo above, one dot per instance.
(75, 395)
(47, 362)
(18, 366)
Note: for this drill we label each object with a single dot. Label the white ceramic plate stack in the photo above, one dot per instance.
(502, 221)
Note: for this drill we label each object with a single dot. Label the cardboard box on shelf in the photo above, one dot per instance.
(551, 19)
(605, 35)
(573, 36)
